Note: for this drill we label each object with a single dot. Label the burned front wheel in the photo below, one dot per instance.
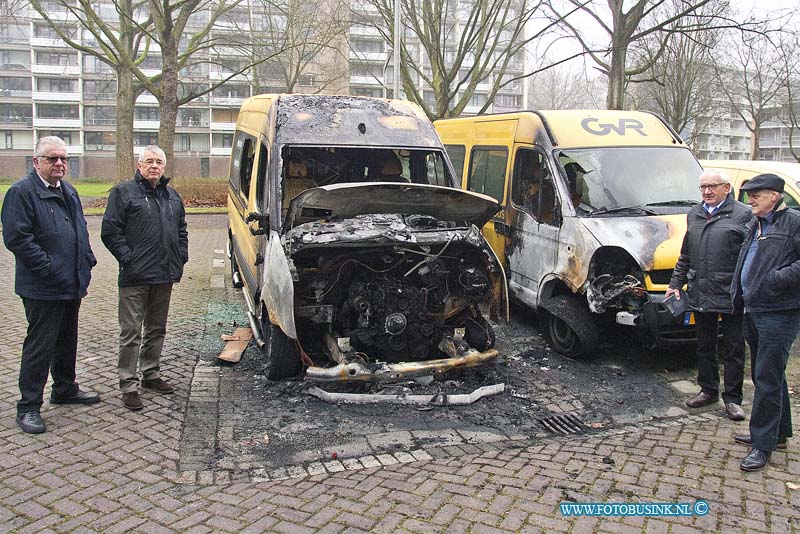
(281, 352)
(569, 327)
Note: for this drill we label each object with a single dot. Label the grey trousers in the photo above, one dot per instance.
(143, 324)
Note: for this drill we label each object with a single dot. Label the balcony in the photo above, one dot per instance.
(367, 31)
(379, 57)
(48, 42)
(146, 98)
(15, 120)
(365, 80)
(50, 96)
(216, 75)
(223, 126)
(45, 122)
(101, 148)
(192, 123)
(230, 101)
(146, 125)
(56, 70)
(16, 67)
(74, 150)
(100, 121)
(220, 151)
(20, 93)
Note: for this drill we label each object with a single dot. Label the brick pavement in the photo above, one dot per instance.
(104, 469)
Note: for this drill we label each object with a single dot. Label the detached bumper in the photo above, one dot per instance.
(385, 372)
(656, 325)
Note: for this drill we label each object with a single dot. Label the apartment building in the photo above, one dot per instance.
(49, 88)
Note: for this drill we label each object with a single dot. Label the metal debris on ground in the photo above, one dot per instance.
(437, 399)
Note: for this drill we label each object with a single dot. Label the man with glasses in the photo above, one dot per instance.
(144, 227)
(766, 285)
(44, 227)
(715, 229)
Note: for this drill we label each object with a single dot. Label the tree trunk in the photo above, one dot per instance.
(754, 145)
(168, 102)
(616, 78)
(126, 98)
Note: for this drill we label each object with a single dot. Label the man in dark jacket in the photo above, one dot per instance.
(144, 227)
(766, 285)
(715, 230)
(43, 226)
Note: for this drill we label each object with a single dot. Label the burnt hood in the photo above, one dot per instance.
(342, 201)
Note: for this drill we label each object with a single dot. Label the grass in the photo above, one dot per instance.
(200, 195)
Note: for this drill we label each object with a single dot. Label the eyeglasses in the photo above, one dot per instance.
(53, 159)
(710, 187)
(154, 162)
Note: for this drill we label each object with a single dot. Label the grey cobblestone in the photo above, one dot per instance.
(102, 468)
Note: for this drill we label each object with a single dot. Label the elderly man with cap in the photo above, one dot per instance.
(767, 285)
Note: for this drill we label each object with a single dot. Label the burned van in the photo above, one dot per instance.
(358, 257)
(594, 214)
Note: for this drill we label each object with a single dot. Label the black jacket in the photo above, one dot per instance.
(774, 277)
(48, 236)
(708, 255)
(145, 229)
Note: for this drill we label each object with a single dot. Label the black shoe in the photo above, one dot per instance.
(703, 398)
(157, 384)
(755, 461)
(734, 411)
(745, 439)
(31, 423)
(81, 397)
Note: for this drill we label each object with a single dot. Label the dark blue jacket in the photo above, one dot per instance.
(47, 235)
(145, 229)
(774, 278)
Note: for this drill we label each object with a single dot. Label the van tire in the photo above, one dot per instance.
(568, 326)
(283, 359)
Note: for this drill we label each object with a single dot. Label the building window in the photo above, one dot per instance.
(375, 92)
(224, 115)
(21, 113)
(57, 85)
(58, 111)
(14, 33)
(67, 136)
(100, 140)
(193, 117)
(100, 115)
(146, 114)
(15, 87)
(15, 59)
(222, 140)
(57, 58)
(145, 138)
(100, 89)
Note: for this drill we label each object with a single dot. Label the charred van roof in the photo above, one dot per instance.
(352, 120)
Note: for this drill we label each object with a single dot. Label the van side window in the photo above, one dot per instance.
(246, 165)
(262, 200)
(457, 154)
(487, 173)
(437, 174)
(532, 189)
(236, 160)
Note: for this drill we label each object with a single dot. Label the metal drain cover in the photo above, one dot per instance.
(563, 424)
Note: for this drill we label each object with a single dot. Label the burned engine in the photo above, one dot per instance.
(407, 303)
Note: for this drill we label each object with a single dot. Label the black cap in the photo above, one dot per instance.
(764, 181)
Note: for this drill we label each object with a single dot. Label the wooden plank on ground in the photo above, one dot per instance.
(236, 343)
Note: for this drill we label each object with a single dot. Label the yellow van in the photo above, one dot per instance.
(358, 256)
(741, 171)
(593, 215)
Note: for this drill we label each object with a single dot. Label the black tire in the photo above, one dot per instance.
(283, 359)
(234, 267)
(569, 327)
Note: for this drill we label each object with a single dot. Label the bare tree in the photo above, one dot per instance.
(750, 80)
(627, 31)
(790, 78)
(117, 43)
(451, 47)
(561, 88)
(679, 85)
(305, 40)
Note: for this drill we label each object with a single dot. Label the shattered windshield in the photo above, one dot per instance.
(630, 180)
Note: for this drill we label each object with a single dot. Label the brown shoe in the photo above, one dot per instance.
(734, 411)
(157, 384)
(132, 401)
(701, 399)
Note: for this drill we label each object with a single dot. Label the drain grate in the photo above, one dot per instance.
(563, 424)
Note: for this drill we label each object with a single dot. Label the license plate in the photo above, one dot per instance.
(688, 319)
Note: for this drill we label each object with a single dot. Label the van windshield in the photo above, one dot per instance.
(630, 180)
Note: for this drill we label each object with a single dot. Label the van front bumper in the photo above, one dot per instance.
(656, 325)
(386, 372)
